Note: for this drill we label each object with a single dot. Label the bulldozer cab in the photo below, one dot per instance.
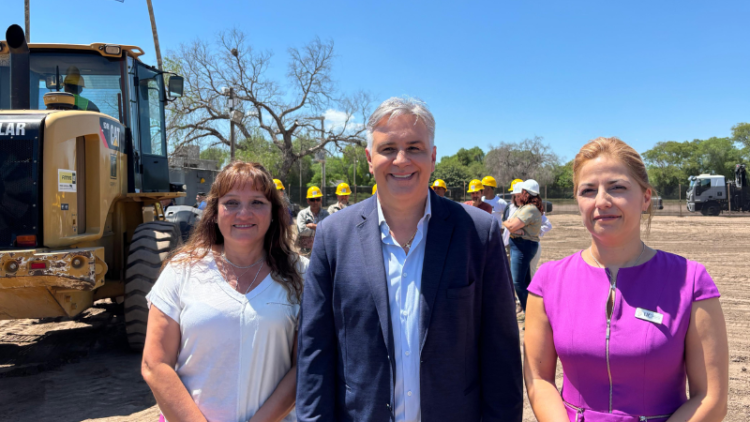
(83, 178)
(110, 80)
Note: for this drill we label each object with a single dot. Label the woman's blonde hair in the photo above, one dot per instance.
(278, 240)
(623, 152)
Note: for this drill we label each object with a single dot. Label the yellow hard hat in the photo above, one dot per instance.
(513, 183)
(374, 188)
(439, 183)
(489, 181)
(314, 192)
(73, 77)
(279, 185)
(343, 189)
(475, 186)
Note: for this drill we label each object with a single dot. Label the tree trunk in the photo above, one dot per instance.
(286, 165)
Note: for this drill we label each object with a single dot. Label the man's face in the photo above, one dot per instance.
(440, 192)
(402, 159)
(314, 204)
(476, 198)
(200, 198)
(343, 199)
(488, 192)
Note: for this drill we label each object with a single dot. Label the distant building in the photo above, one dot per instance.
(186, 167)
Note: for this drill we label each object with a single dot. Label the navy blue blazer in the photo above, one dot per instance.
(469, 345)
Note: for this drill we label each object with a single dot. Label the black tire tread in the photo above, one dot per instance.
(150, 246)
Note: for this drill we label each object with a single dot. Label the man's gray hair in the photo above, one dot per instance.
(396, 106)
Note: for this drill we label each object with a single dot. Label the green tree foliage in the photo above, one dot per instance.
(563, 175)
(465, 165)
(340, 168)
(220, 155)
(670, 163)
(741, 134)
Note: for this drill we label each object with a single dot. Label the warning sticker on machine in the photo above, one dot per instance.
(66, 180)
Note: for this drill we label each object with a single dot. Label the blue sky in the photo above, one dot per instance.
(497, 71)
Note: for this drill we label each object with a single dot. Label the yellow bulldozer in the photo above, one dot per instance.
(83, 175)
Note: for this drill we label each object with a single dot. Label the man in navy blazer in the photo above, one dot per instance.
(408, 311)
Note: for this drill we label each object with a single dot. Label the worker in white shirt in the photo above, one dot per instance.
(498, 204)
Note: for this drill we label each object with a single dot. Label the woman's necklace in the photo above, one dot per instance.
(237, 283)
(238, 277)
(636, 260)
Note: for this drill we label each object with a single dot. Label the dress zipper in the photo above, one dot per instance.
(645, 418)
(611, 292)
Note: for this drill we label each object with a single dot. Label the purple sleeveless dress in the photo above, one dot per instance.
(633, 370)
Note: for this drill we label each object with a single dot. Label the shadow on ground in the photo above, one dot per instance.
(84, 372)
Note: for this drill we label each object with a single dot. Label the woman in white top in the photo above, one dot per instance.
(221, 343)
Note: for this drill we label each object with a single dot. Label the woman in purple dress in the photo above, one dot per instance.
(630, 324)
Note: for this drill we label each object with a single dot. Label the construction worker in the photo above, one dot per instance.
(475, 189)
(200, 200)
(342, 197)
(74, 84)
(308, 219)
(439, 187)
(496, 202)
(285, 197)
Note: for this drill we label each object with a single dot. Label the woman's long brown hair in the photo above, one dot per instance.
(525, 198)
(280, 258)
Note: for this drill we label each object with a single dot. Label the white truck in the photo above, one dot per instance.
(711, 194)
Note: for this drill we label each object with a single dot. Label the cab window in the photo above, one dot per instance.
(150, 111)
(95, 80)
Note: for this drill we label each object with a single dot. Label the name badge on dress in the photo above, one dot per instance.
(649, 316)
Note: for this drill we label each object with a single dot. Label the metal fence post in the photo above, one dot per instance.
(464, 190)
(679, 203)
(729, 197)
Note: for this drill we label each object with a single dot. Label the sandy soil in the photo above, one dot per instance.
(81, 369)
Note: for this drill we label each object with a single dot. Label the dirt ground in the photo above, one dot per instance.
(81, 370)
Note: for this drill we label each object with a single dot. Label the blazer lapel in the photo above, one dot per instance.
(369, 235)
(439, 233)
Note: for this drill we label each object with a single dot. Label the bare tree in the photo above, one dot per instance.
(281, 112)
(528, 159)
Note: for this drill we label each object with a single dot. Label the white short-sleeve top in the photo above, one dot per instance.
(234, 348)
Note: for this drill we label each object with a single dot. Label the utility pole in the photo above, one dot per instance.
(153, 29)
(323, 162)
(299, 161)
(27, 11)
(231, 124)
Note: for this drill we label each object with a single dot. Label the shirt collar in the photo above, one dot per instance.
(385, 230)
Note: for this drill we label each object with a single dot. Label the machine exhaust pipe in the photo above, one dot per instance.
(20, 82)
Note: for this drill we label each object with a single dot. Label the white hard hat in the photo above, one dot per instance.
(531, 186)
(517, 188)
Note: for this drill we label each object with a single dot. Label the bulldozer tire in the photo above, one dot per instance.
(151, 244)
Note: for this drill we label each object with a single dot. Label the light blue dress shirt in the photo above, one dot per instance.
(404, 276)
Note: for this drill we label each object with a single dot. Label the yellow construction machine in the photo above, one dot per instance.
(83, 174)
